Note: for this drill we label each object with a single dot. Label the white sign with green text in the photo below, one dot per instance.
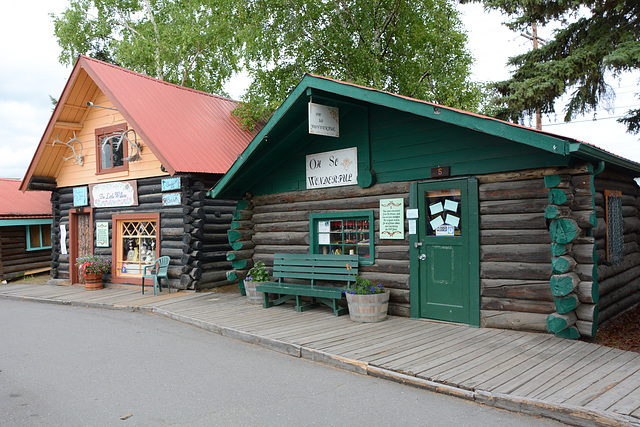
(392, 218)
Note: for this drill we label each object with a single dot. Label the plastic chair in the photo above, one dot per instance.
(158, 271)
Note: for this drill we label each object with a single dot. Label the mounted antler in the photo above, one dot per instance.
(78, 158)
(116, 138)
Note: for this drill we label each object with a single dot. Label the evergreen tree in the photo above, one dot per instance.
(597, 40)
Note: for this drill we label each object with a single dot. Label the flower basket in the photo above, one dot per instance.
(368, 308)
(256, 276)
(92, 268)
(92, 281)
(253, 296)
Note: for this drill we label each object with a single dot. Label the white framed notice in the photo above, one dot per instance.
(324, 120)
(102, 234)
(392, 218)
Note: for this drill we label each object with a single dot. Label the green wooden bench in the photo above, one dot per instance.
(313, 267)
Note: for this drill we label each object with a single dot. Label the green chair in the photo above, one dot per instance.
(158, 270)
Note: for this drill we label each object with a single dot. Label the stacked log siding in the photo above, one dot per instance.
(15, 260)
(619, 284)
(192, 234)
(281, 224)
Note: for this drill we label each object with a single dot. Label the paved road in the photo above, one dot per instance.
(62, 365)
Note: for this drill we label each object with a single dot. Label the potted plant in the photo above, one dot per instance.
(92, 268)
(257, 275)
(367, 302)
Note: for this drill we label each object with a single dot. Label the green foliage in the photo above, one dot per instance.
(413, 48)
(258, 273)
(362, 286)
(187, 42)
(583, 53)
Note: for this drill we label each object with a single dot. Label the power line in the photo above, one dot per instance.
(582, 121)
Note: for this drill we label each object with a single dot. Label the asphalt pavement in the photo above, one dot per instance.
(79, 366)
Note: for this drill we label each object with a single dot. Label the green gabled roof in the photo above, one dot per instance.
(324, 88)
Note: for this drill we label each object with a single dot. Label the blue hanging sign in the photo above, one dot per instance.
(169, 184)
(80, 196)
(171, 199)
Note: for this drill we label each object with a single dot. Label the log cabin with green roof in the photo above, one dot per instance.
(465, 218)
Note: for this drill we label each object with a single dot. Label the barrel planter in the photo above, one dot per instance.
(368, 308)
(253, 296)
(92, 281)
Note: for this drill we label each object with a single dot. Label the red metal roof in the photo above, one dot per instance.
(16, 204)
(188, 130)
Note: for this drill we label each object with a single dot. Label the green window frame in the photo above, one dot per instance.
(346, 232)
(38, 237)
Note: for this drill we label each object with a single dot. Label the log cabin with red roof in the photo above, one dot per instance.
(128, 159)
(25, 231)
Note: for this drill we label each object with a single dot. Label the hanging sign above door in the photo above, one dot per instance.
(114, 194)
(324, 120)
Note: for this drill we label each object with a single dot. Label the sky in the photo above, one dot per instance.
(30, 73)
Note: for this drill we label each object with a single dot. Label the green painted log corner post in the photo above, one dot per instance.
(235, 241)
(564, 281)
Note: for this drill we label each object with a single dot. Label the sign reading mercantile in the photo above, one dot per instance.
(332, 168)
(113, 194)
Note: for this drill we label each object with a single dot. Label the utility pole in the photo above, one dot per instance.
(533, 36)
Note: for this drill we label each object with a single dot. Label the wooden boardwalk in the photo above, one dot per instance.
(571, 381)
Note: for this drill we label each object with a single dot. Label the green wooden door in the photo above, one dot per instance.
(447, 250)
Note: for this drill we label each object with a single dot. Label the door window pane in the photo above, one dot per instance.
(443, 212)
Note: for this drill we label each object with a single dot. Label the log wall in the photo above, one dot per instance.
(275, 223)
(541, 245)
(619, 284)
(15, 260)
(528, 270)
(193, 235)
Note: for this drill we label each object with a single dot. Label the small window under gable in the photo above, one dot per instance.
(111, 149)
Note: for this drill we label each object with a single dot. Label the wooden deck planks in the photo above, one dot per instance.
(607, 387)
(622, 398)
(506, 370)
(594, 381)
(411, 358)
(537, 373)
(478, 362)
(460, 354)
(580, 369)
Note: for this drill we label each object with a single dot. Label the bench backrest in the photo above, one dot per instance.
(315, 267)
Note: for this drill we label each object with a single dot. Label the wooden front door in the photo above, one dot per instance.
(80, 239)
(447, 239)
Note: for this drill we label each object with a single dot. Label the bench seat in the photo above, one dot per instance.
(339, 269)
(319, 294)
